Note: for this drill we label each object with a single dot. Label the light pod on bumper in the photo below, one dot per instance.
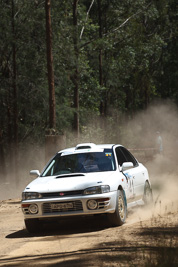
(33, 209)
(92, 204)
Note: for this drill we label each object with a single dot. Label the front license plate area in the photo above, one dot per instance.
(62, 206)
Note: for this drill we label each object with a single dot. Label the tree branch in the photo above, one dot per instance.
(118, 28)
(92, 2)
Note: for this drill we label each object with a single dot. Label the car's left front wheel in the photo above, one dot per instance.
(148, 195)
(119, 216)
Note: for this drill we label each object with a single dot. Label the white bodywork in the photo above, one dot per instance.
(63, 194)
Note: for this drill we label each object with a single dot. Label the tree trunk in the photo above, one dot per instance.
(102, 103)
(100, 51)
(100, 60)
(15, 108)
(52, 102)
(2, 158)
(146, 91)
(76, 73)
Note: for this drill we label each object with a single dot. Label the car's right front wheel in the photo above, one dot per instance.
(33, 225)
(119, 216)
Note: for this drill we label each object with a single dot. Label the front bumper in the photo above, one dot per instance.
(71, 206)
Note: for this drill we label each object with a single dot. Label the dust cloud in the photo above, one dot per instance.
(137, 134)
(162, 167)
(31, 156)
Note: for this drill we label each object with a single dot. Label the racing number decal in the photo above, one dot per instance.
(130, 184)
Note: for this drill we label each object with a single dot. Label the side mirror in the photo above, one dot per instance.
(35, 173)
(127, 166)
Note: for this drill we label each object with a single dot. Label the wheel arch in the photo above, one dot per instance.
(147, 181)
(122, 189)
(147, 185)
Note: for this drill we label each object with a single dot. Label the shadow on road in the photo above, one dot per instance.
(66, 227)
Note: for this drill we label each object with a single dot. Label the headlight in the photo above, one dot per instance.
(30, 195)
(97, 190)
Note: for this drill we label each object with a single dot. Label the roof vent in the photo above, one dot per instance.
(85, 146)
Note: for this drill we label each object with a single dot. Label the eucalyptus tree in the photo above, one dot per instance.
(52, 101)
(22, 73)
(132, 43)
(110, 58)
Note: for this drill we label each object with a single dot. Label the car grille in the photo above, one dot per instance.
(62, 194)
(47, 207)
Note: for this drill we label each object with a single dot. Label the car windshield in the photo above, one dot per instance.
(81, 163)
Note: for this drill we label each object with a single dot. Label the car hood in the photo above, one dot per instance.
(69, 182)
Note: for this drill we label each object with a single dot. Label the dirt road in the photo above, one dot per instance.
(148, 236)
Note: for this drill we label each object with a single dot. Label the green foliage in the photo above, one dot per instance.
(138, 47)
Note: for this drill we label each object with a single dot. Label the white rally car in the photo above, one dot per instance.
(85, 180)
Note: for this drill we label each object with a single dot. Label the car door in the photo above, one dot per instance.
(129, 190)
(135, 174)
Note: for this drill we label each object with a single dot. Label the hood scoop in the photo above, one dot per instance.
(70, 175)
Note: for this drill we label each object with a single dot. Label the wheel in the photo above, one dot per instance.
(148, 196)
(33, 225)
(119, 216)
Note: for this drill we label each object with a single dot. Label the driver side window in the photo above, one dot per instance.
(120, 156)
(123, 155)
(129, 156)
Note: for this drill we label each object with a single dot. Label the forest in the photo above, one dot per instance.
(81, 69)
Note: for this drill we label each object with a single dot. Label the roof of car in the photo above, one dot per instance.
(87, 147)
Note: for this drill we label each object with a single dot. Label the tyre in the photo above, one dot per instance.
(148, 196)
(119, 216)
(33, 225)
